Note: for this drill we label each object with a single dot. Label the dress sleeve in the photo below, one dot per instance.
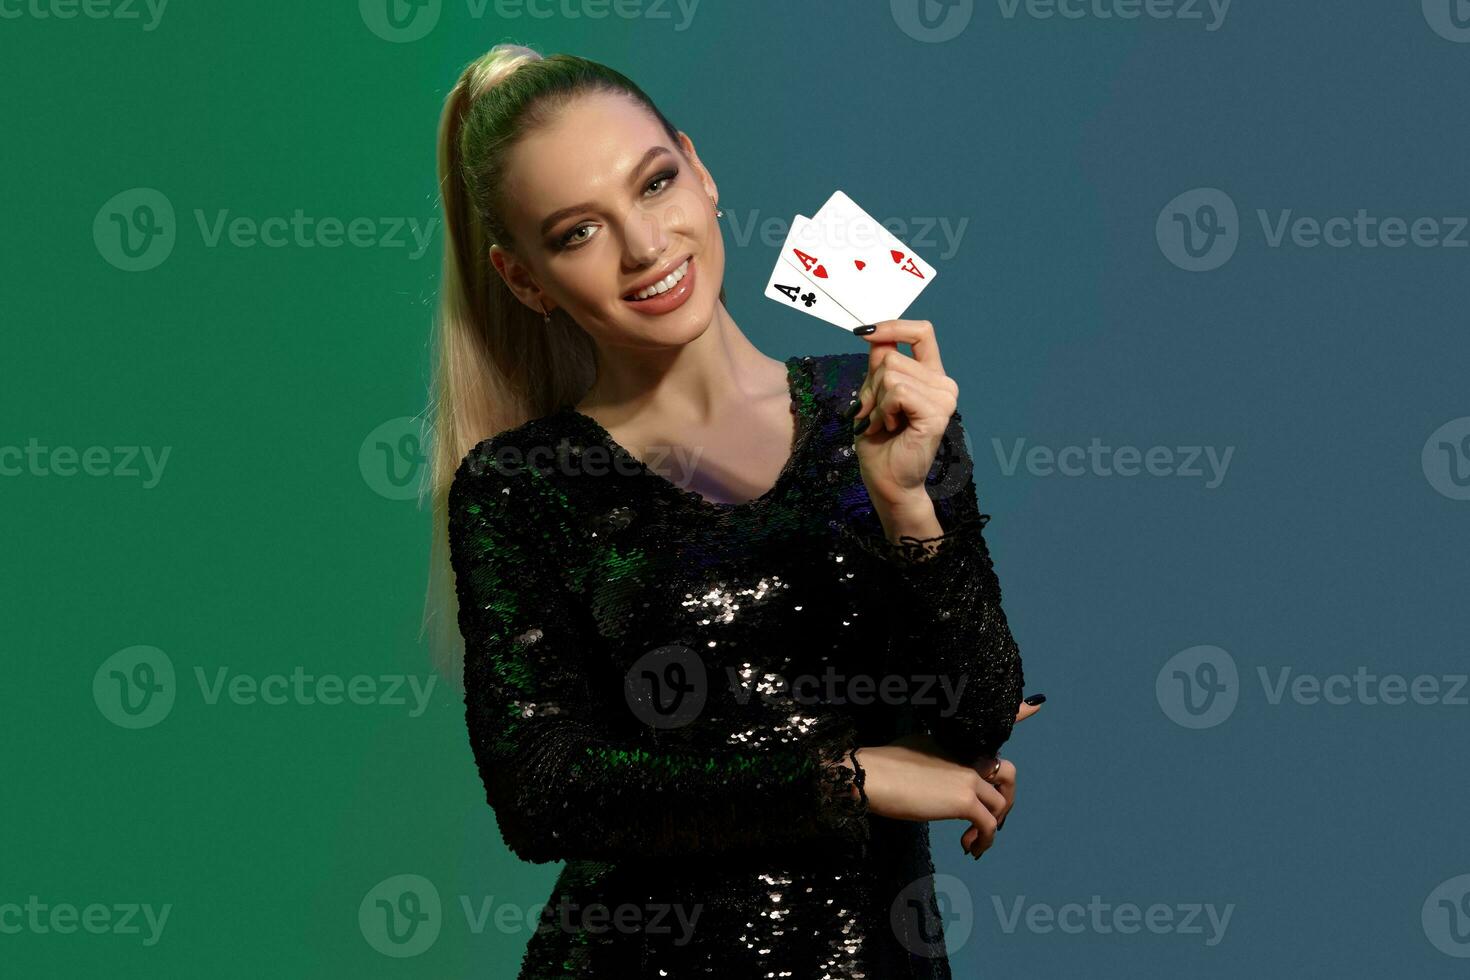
(563, 784)
(946, 615)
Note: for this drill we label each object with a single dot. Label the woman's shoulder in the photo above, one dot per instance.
(513, 451)
(836, 377)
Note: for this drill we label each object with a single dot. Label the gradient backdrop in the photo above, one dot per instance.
(1197, 272)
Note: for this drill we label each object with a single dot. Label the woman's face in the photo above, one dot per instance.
(602, 204)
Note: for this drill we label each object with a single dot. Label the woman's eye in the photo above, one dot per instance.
(570, 237)
(666, 175)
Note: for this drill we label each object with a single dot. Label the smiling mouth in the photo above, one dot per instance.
(665, 284)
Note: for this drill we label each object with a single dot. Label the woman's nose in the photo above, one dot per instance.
(646, 235)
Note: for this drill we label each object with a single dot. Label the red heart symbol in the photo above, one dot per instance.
(860, 264)
(820, 272)
(897, 256)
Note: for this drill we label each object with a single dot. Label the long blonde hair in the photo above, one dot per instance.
(498, 363)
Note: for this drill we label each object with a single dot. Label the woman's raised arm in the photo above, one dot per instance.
(944, 604)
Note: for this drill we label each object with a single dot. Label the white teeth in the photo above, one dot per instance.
(665, 284)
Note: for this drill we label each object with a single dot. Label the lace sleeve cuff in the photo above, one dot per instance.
(910, 551)
(843, 813)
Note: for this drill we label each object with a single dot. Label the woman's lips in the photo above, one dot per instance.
(670, 299)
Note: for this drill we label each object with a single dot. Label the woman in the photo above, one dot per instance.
(632, 641)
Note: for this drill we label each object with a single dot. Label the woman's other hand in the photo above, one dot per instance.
(912, 778)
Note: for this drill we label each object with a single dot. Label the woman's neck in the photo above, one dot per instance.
(718, 372)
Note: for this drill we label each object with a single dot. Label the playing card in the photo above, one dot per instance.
(789, 288)
(795, 253)
(862, 266)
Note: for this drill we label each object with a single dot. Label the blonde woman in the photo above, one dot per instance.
(730, 688)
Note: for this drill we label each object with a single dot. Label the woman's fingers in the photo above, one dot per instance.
(918, 334)
(976, 841)
(902, 396)
(903, 392)
(1003, 781)
(983, 823)
(991, 805)
(1003, 784)
(894, 367)
(1027, 710)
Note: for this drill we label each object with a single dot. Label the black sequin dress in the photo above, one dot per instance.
(658, 686)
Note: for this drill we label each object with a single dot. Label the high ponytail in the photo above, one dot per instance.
(498, 363)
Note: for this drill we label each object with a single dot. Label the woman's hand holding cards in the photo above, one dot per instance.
(905, 406)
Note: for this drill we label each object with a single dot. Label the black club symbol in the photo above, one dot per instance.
(809, 299)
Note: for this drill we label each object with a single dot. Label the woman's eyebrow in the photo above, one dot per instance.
(560, 213)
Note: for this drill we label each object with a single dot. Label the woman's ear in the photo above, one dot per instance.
(518, 279)
(687, 145)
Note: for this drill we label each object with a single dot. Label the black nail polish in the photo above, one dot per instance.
(865, 329)
(1035, 699)
(860, 425)
(851, 410)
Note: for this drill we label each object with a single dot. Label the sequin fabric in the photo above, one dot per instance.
(643, 694)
